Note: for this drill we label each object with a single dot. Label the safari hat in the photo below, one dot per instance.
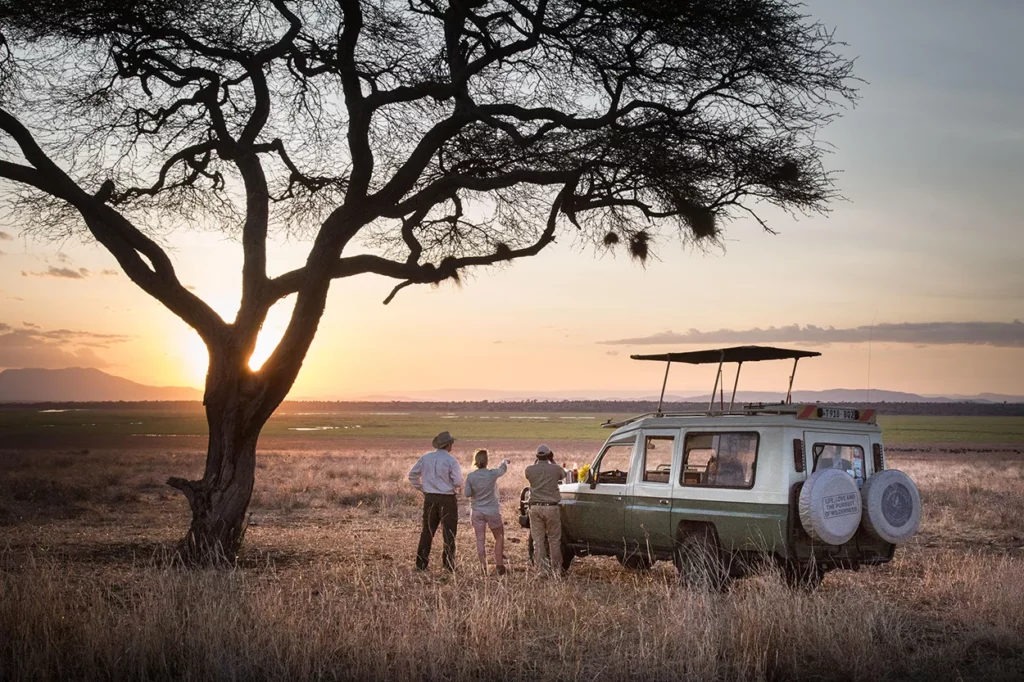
(544, 452)
(442, 439)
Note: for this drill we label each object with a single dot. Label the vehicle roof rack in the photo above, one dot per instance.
(737, 354)
(800, 411)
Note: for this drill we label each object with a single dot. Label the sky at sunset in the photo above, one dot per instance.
(914, 283)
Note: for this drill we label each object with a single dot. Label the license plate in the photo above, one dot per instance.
(838, 413)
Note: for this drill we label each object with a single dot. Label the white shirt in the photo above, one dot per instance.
(482, 489)
(436, 473)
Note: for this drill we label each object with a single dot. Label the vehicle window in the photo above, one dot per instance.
(658, 458)
(720, 460)
(613, 466)
(848, 458)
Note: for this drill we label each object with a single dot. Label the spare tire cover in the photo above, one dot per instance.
(892, 506)
(830, 506)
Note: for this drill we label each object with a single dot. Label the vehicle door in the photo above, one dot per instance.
(649, 498)
(715, 485)
(601, 505)
(846, 451)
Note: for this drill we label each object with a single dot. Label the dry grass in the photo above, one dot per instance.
(325, 588)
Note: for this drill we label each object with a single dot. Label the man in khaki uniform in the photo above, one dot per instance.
(545, 519)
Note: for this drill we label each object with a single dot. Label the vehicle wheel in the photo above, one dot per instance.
(635, 562)
(892, 506)
(830, 506)
(698, 558)
(803, 576)
(567, 554)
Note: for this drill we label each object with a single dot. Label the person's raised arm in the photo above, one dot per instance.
(502, 468)
(416, 475)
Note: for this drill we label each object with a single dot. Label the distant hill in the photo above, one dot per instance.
(78, 384)
(835, 395)
(92, 385)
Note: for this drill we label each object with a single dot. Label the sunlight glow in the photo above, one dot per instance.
(272, 331)
(196, 358)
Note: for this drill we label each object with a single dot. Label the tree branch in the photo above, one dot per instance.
(126, 242)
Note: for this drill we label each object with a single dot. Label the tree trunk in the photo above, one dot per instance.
(238, 403)
(219, 500)
(219, 504)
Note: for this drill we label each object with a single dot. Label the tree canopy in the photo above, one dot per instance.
(407, 138)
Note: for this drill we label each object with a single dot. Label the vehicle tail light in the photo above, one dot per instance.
(798, 454)
(879, 456)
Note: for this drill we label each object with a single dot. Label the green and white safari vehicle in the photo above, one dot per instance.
(722, 491)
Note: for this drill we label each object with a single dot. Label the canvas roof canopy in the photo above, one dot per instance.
(720, 356)
(734, 354)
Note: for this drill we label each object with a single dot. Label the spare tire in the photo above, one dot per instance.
(830, 506)
(892, 506)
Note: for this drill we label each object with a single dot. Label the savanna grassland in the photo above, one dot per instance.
(324, 588)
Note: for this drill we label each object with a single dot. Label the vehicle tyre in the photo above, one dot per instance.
(803, 576)
(830, 506)
(567, 554)
(698, 558)
(524, 507)
(637, 561)
(892, 506)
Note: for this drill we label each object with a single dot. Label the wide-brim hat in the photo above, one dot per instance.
(544, 452)
(442, 439)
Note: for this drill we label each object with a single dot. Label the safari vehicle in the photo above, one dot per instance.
(722, 490)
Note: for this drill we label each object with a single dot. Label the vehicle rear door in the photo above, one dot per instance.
(844, 450)
(649, 498)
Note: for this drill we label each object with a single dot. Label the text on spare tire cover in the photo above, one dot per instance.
(840, 505)
(897, 504)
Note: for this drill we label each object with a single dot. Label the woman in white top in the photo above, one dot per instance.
(482, 490)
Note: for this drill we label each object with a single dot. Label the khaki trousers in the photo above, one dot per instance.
(546, 531)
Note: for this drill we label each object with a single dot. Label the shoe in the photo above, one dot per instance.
(501, 570)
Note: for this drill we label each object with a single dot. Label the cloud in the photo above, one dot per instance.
(997, 334)
(109, 273)
(64, 273)
(3, 253)
(5, 237)
(64, 258)
(29, 346)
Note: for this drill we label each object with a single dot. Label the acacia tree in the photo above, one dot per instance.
(410, 139)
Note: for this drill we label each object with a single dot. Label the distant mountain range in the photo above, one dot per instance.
(92, 385)
(835, 395)
(78, 384)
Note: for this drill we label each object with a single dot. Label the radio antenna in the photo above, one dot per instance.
(871, 334)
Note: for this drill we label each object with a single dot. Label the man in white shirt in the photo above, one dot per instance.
(439, 477)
